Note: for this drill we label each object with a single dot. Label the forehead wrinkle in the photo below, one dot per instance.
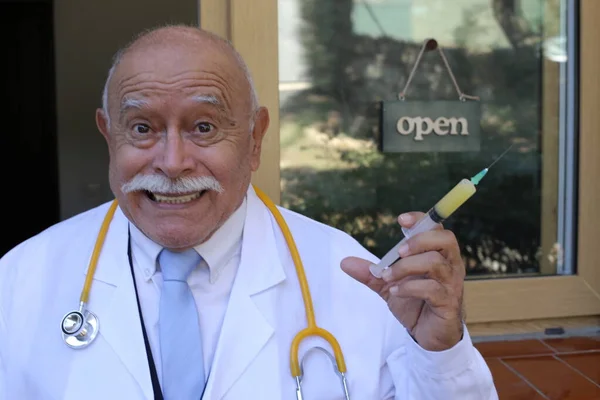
(124, 81)
(138, 83)
(223, 88)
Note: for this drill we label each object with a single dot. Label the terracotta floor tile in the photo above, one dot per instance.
(588, 364)
(509, 385)
(512, 348)
(555, 379)
(574, 344)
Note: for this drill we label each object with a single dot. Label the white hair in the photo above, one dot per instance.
(242, 64)
(162, 184)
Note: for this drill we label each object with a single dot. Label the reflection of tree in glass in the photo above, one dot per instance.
(347, 183)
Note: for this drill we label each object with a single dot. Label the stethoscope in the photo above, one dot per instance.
(80, 327)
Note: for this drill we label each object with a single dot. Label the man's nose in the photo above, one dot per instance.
(174, 160)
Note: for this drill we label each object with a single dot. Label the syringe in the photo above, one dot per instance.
(436, 215)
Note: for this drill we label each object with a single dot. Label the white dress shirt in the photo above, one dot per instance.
(210, 282)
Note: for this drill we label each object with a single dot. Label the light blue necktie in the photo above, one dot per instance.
(179, 329)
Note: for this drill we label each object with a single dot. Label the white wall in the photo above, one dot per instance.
(87, 33)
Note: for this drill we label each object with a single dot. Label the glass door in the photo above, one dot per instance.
(342, 62)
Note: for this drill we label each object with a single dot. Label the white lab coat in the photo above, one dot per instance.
(41, 280)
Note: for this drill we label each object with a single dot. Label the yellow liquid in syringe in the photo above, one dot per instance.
(455, 198)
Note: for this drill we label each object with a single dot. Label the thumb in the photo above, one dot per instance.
(358, 269)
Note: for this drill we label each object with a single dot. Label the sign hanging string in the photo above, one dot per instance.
(431, 44)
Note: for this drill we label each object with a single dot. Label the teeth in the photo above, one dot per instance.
(176, 199)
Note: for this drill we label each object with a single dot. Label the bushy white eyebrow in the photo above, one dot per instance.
(128, 103)
(202, 98)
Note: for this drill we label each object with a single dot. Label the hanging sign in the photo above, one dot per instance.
(430, 126)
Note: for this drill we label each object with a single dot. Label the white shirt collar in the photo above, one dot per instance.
(216, 251)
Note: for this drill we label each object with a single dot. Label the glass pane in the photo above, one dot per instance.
(341, 61)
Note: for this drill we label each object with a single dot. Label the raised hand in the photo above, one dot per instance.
(424, 289)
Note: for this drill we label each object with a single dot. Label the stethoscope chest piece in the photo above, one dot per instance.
(79, 328)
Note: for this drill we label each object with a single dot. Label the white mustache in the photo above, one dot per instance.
(164, 185)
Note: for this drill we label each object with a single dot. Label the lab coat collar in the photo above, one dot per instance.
(246, 328)
(116, 305)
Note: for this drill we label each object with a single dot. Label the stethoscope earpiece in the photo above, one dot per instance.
(79, 328)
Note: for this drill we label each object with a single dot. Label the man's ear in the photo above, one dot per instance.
(102, 124)
(261, 124)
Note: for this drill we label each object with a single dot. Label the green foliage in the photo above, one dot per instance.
(364, 190)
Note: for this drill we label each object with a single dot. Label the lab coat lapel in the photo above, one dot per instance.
(117, 309)
(246, 329)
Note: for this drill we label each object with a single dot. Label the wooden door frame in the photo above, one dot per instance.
(252, 28)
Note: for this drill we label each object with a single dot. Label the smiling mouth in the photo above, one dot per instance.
(173, 199)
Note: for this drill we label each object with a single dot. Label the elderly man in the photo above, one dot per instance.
(192, 281)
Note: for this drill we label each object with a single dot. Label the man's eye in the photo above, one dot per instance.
(204, 127)
(141, 128)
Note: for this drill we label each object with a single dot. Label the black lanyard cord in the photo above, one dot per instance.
(153, 375)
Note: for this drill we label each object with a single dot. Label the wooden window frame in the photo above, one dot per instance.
(252, 28)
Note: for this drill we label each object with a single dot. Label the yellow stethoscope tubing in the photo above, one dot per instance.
(85, 292)
(311, 330)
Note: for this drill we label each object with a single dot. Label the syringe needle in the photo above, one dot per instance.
(479, 176)
(499, 157)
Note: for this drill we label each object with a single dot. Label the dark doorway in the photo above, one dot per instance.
(28, 140)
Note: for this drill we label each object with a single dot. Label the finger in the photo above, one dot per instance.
(442, 241)
(408, 219)
(429, 290)
(358, 269)
(430, 264)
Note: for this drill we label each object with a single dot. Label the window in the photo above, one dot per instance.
(339, 60)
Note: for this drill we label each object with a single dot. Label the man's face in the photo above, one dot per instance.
(181, 112)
